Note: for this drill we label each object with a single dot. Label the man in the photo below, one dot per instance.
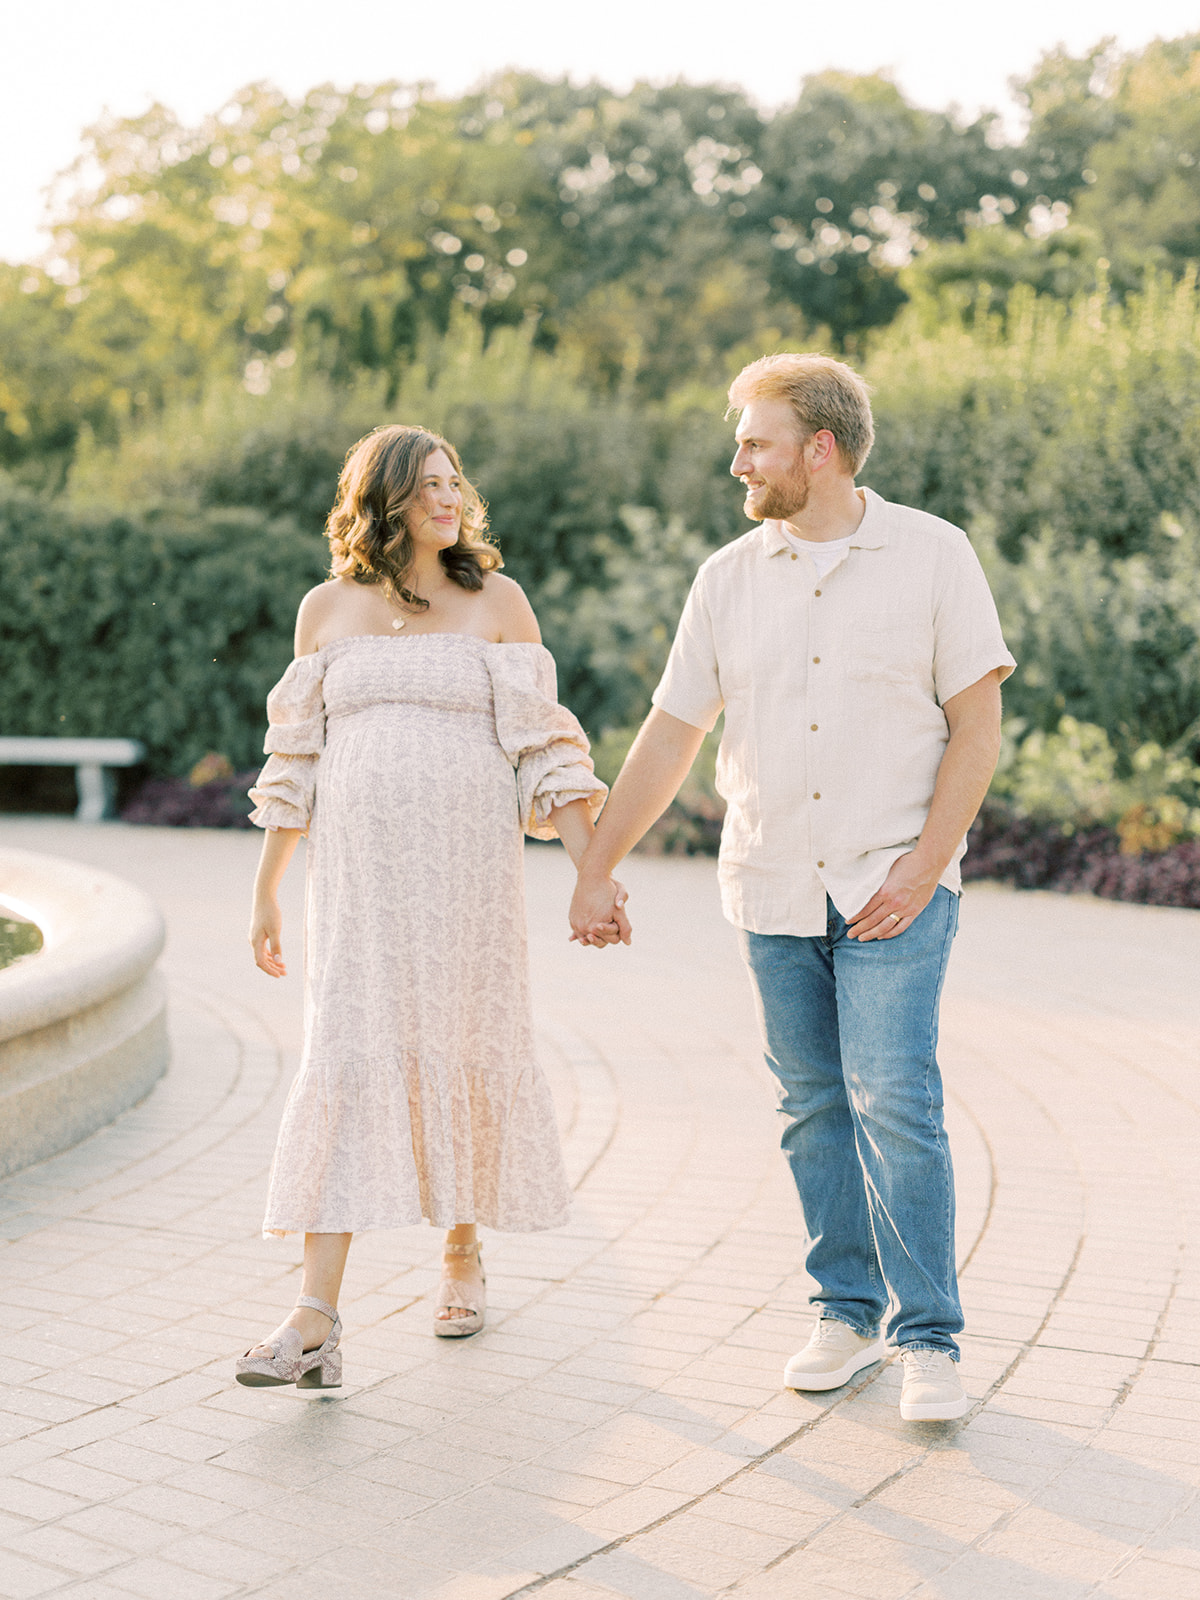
(855, 650)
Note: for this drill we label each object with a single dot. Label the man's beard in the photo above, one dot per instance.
(781, 501)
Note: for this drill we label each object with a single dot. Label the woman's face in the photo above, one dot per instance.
(435, 516)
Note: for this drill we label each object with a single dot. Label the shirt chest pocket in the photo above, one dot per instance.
(889, 648)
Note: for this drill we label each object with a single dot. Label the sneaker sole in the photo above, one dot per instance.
(818, 1382)
(947, 1411)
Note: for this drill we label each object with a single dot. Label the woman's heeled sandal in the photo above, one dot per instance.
(455, 1295)
(290, 1362)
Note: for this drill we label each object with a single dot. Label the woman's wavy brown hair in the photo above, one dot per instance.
(368, 538)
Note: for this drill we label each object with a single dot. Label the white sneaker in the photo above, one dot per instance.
(931, 1391)
(832, 1356)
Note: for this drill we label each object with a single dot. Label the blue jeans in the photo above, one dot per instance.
(851, 1034)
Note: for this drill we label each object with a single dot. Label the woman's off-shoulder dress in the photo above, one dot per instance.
(414, 764)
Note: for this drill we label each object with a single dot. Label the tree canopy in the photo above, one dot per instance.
(650, 235)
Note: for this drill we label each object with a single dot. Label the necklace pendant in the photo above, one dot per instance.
(398, 622)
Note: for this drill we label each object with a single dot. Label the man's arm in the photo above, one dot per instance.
(658, 762)
(968, 762)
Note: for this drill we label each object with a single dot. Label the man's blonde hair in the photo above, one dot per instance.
(822, 392)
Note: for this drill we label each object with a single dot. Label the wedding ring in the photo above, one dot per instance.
(893, 917)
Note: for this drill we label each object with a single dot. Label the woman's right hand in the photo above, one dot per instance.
(266, 932)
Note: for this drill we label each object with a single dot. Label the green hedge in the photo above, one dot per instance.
(1083, 418)
(1065, 438)
(167, 627)
(1114, 643)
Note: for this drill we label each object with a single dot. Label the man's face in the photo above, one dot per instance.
(770, 461)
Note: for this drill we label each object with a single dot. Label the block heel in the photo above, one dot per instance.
(290, 1362)
(326, 1374)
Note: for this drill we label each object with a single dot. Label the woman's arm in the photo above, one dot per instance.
(573, 823)
(266, 921)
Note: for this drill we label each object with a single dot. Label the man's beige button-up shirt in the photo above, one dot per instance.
(832, 689)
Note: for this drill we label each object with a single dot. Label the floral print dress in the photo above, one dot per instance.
(414, 764)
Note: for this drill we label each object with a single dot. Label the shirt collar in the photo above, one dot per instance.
(871, 533)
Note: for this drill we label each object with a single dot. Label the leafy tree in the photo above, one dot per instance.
(652, 238)
(1143, 193)
(855, 181)
(980, 272)
(47, 385)
(1070, 111)
(337, 227)
(1118, 138)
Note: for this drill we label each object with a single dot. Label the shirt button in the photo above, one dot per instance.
(793, 555)
(817, 592)
(820, 863)
(816, 658)
(816, 794)
(813, 726)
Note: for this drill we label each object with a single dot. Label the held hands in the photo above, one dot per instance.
(907, 890)
(266, 930)
(597, 912)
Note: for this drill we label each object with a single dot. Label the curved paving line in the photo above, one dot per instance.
(1121, 1396)
(990, 1206)
(198, 998)
(589, 1063)
(1110, 1411)
(219, 1009)
(595, 1078)
(596, 1092)
(851, 1392)
(748, 1466)
(121, 1167)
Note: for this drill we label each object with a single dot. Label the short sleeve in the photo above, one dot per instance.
(540, 737)
(690, 687)
(286, 786)
(968, 642)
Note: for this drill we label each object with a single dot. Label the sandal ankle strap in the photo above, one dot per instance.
(463, 1249)
(313, 1304)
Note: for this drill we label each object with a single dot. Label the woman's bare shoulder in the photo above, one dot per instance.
(511, 610)
(320, 610)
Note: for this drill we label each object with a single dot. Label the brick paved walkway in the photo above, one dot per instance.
(620, 1429)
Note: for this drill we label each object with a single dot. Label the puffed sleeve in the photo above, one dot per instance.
(541, 738)
(283, 795)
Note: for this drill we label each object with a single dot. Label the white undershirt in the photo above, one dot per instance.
(826, 553)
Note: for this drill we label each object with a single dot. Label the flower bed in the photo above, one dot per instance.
(1027, 852)
(180, 803)
(1033, 854)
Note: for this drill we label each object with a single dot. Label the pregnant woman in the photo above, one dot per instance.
(414, 736)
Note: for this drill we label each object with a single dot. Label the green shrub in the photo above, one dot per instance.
(1065, 437)
(1072, 776)
(557, 466)
(1084, 418)
(1110, 642)
(166, 626)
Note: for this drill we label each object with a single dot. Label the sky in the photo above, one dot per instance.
(65, 63)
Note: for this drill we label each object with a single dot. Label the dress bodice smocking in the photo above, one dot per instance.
(455, 685)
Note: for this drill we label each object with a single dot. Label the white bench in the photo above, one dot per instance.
(91, 758)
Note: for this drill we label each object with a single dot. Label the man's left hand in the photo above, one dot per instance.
(907, 890)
